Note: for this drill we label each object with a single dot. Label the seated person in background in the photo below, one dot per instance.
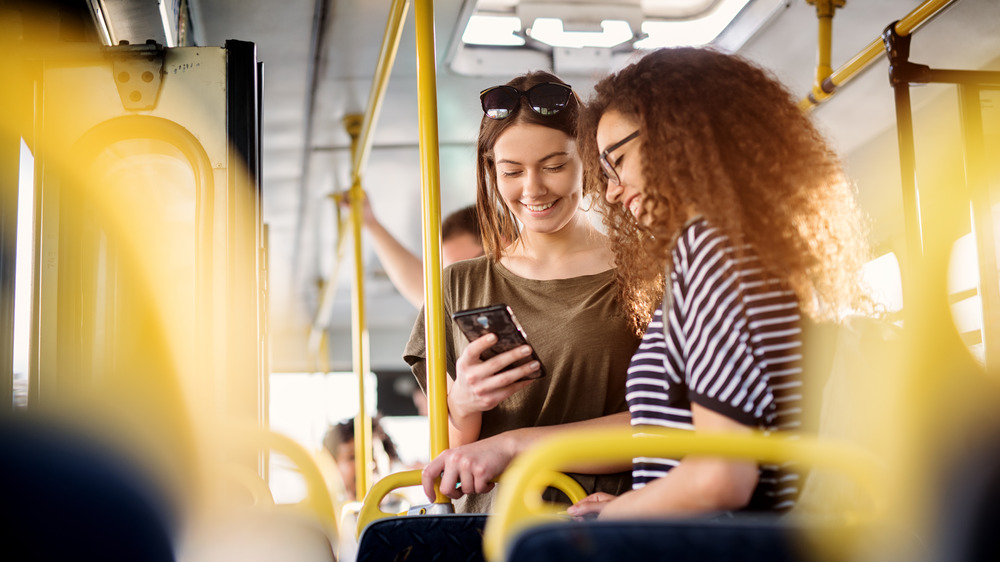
(712, 174)
(339, 442)
(460, 240)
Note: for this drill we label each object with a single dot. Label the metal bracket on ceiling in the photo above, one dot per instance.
(901, 70)
(138, 73)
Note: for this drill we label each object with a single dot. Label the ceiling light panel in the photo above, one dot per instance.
(496, 30)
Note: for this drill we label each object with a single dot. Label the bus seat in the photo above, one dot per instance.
(747, 538)
(970, 497)
(417, 538)
(678, 541)
(66, 497)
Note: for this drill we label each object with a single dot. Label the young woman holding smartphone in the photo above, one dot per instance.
(556, 272)
(713, 174)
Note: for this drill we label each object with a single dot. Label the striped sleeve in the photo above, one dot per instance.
(726, 359)
(731, 342)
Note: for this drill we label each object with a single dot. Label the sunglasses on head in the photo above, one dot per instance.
(549, 98)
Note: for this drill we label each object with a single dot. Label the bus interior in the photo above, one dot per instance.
(186, 280)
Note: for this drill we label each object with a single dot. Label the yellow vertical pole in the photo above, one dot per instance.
(423, 14)
(359, 329)
(825, 39)
(824, 15)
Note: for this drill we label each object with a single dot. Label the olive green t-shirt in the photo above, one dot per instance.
(582, 339)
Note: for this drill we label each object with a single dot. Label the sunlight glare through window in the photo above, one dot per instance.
(23, 274)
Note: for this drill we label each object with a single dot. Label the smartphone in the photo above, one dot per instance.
(497, 319)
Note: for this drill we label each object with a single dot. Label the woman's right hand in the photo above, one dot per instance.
(478, 384)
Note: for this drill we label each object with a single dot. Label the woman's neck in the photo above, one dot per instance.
(578, 249)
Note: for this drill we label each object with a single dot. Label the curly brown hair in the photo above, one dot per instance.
(496, 221)
(722, 136)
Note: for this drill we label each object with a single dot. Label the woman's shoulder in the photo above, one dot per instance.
(699, 234)
(467, 268)
(464, 277)
(700, 243)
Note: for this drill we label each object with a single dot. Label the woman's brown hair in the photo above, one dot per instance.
(721, 136)
(496, 221)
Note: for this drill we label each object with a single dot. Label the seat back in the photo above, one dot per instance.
(677, 541)
(69, 498)
(416, 538)
(748, 538)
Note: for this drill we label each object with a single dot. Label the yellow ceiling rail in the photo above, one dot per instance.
(359, 156)
(383, 68)
(826, 85)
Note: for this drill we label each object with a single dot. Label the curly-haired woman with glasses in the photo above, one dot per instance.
(715, 180)
(548, 263)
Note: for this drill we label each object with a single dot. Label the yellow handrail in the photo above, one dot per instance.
(910, 22)
(359, 156)
(431, 207)
(516, 507)
(433, 310)
(383, 68)
(361, 357)
(370, 510)
(361, 140)
(317, 500)
(562, 481)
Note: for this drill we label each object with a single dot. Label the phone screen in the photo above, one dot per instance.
(496, 319)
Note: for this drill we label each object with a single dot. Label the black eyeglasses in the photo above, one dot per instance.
(549, 98)
(609, 169)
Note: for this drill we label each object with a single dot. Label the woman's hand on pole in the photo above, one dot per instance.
(469, 469)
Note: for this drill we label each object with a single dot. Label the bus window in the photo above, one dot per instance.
(883, 278)
(963, 291)
(156, 178)
(303, 406)
(23, 275)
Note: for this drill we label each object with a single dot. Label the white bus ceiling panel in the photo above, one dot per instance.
(190, 74)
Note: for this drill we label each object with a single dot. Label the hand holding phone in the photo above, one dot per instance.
(497, 319)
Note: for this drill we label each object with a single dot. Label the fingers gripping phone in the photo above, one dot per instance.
(497, 319)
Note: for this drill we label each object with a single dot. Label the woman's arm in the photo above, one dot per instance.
(472, 468)
(405, 270)
(696, 485)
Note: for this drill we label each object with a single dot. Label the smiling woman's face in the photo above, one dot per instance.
(539, 176)
(626, 160)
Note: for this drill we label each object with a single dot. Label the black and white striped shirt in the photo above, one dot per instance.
(734, 347)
